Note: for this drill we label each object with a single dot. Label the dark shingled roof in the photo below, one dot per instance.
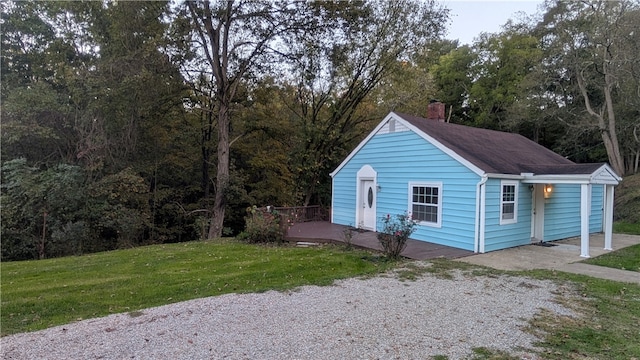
(498, 152)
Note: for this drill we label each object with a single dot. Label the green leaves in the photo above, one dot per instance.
(394, 234)
(35, 203)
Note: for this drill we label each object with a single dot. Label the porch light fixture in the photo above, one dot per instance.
(548, 188)
(378, 188)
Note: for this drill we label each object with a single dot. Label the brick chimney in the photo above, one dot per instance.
(435, 111)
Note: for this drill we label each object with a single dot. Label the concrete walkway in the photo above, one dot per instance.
(563, 257)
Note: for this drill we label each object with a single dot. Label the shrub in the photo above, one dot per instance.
(262, 226)
(395, 232)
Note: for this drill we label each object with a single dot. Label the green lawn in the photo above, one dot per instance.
(626, 228)
(608, 325)
(626, 259)
(45, 293)
(40, 294)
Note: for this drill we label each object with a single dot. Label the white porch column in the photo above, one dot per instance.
(585, 194)
(608, 216)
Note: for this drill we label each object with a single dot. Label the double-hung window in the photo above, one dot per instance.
(508, 202)
(425, 203)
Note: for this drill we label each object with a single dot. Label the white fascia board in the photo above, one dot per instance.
(440, 146)
(610, 178)
(363, 142)
(557, 179)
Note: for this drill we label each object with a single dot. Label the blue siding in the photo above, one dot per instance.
(404, 157)
(509, 235)
(562, 211)
(344, 196)
(597, 208)
(400, 158)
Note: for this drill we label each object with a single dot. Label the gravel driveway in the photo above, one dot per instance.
(376, 318)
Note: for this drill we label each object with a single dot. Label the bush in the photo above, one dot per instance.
(262, 226)
(395, 233)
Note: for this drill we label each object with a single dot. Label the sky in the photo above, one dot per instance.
(468, 18)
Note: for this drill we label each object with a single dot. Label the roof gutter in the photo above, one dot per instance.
(566, 179)
(478, 242)
(505, 176)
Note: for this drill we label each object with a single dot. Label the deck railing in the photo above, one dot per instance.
(298, 214)
(295, 214)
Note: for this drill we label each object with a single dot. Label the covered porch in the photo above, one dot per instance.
(586, 176)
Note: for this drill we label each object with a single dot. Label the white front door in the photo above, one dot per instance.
(537, 214)
(367, 205)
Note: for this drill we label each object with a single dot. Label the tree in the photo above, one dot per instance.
(91, 86)
(38, 206)
(234, 39)
(453, 79)
(263, 155)
(411, 84)
(503, 61)
(482, 83)
(598, 42)
(37, 116)
(86, 82)
(338, 68)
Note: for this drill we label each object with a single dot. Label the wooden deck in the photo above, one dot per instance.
(324, 231)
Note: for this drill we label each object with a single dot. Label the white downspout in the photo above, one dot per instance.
(479, 214)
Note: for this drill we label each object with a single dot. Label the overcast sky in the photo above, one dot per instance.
(471, 17)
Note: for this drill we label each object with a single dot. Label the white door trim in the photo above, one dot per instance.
(537, 212)
(366, 175)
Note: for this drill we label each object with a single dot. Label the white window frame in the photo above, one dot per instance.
(515, 185)
(437, 185)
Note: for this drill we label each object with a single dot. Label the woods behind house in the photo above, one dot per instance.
(131, 123)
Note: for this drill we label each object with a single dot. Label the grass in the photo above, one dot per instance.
(39, 294)
(608, 325)
(625, 259)
(605, 325)
(621, 227)
(45, 293)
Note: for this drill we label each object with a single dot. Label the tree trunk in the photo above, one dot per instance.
(44, 236)
(615, 157)
(222, 175)
(606, 124)
(207, 131)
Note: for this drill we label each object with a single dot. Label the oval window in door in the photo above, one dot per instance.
(370, 197)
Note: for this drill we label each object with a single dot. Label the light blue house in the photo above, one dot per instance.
(469, 188)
